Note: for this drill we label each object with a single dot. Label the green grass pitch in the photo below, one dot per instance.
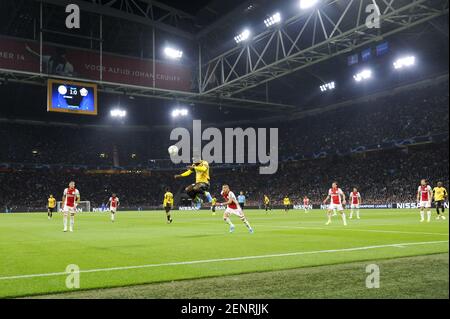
(140, 248)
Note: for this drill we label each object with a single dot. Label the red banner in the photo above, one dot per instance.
(22, 55)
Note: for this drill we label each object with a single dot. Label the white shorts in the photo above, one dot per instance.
(238, 212)
(424, 204)
(113, 209)
(354, 206)
(68, 209)
(335, 207)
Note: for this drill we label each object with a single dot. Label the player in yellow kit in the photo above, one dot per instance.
(168, 204)
(440, 196)
(213, 205)
(51, 206)
(267, 203)
(200, 190)
(286, 203)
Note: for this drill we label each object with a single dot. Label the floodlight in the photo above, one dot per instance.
(243, 36)
(180, 113)
(405, 62)
(173, 53)
(118, 113)
(306, 4)
(272, 20)
(363, 75)
(328, 87)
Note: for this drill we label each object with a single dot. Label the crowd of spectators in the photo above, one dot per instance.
(392, 118)
(382, 177)
(403, 115)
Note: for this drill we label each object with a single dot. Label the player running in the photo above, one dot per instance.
(424, 196)
(233, 208)
(199, 190)
(355, 202)
(440, 195)
(70, 200)
(337, 200)
(113, 205)
(267, 203)
(168, 204)
(306, 206)
(51, 206)
(286, 203)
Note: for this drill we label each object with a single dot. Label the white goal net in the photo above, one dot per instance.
(83, 206)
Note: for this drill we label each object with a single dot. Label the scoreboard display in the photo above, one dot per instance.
(72, 97)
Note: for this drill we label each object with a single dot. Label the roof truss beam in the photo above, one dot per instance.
(332, 29)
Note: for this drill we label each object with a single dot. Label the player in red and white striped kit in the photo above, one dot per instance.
(355, 202)
(113, 205)
(424, 196)
(70, 200)
(233, 208)
(306, 206)
(337, 200)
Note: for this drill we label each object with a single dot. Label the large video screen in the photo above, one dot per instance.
(72, 97)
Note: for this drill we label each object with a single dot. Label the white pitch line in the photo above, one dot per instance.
(193, 262)
(360, 230)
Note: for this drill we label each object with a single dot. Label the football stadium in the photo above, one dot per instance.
(208, 149)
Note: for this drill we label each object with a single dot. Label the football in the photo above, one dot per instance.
(173, 150)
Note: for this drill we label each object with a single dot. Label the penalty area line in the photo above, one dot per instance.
(205, 261)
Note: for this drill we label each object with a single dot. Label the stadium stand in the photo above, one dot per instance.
(314, 152)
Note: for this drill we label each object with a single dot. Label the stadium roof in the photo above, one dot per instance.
(271, 73)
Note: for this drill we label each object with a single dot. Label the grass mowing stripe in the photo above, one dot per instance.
(410, 275)
(226, 259)
(361, 230)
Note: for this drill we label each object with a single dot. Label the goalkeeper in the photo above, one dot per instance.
(199, 191)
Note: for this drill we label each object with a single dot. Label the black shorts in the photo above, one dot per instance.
(204, 187)
(242, 205)
(168, 208)
(51, 209)
(286, 206)
(439, 204)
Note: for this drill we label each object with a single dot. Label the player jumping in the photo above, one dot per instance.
(424, 195)
(199, 190)
(168, 205)
(233, 208)
(70, 199)
(113, 205)
(355, 198)
(337, 200)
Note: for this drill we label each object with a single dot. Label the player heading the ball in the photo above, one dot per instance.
(200, 190)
